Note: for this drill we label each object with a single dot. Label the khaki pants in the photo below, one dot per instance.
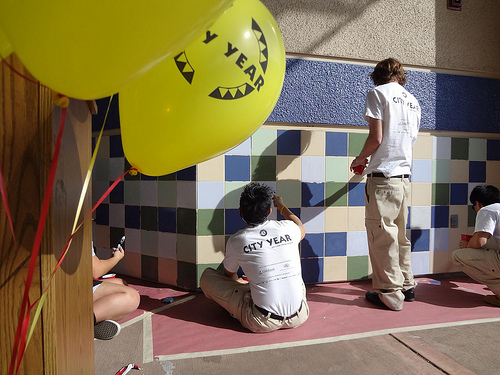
(386, 213)
(236, 299)
(482, 265)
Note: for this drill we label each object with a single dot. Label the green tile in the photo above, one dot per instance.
(149, 243)
(233, 193)
(167, 193)
(264, 142)
(187, 275)
(337, 169)
(357, 267)
(477, 149)
(460, 148)
(132, 193)
(149, 218)
(263, 168)
(186, 221)
(210, 222)
(101, 170)
(202, 267)
(290, 191)
(336, 194)
(440, 194)
(356, 143)
(115, 234)
(167, 177)
(441, 170)
(471, 217)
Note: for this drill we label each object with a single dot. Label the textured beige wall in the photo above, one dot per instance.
(419, 32)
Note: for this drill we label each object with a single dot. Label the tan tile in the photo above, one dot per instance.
(132, 265)
(167, 271)
(356, 218)
(336, 219)
(462, 212)
(335, 268)
(422, 149)
(288, 167)
(186, 248)
(210, 249)
(421, 194)
(440, 262)
(459, 171)
(211, 170)
(493, 173)
(313, 142)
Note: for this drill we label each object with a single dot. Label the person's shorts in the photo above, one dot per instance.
(96, 283)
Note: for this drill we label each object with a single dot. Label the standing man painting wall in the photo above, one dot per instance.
(393, 115)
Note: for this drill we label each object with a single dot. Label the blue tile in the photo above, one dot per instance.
(420, 239)
(102, 214)
(233, 221)
(493, 149)
(295, 211)
(356, 194)
(459, 194)
(336, 144)
(115, 146)
(335, 244)
(187, 174)
(237, 168)
(117, 194)
(167, 219)
(312, 246)
(312, 270)
(145, 177)
(149, 218)
(440, 216)
(477, 171)
(133, 217)
(408, 221)
(313, 194)
(288, 142)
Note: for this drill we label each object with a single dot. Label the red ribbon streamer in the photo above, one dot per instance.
(6, 204)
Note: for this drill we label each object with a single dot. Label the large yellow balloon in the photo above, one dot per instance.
(88, 49)
(207, 99)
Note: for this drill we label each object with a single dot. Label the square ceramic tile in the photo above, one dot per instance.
(149, 193)
(336, 144)
(441, 170)
(477, 171)
(357, 243)
(133, 264)
(356, 219)
(149, 218)
(210, 194)
(313, 143)
(98, 190)
(420, 263)
(103, 152)
(237, 168)
(335, 244)
(336, 194)
(493, 149)
(211, 249)
(211, 170)
(101, 170)
(420, 217)
(312, 246)
(421, 194)
(233, 193)
(210, 222)
(492, 175)
(263, 168)
(264, 142)
(420, 240)
(167, 271)
(312, 270)
(117, 194)
(115, 146)
(462, 213)
(441, 148)
(440, 216)
(477, 149)
(102, 214)
(356, 143)
(421, 170)
(167, 219)
(290, 191)
(440, 262)
(133, 217)
(244, 148)
(187, 275)
(357, 267)
(439, 239)
(313, 194)
(422, 149)
(132, 192)
(459, 194)
(460, 148)
(459, 171)
(337, 169)
(288, 142)
(167, 193)
(313, 219)
(288, 167)
(186, 174)
(335, 269)
(441, 194)
(186, 248)
(116, 168)
(117, 215)
(356, 194)
(101, 235)
(167, 245)
(232, 221)
(336, 219)
(455, 235)
(186, 194)
(186, 221)
(132, 240)
(149, 267)
(149, 243)
(313, 169)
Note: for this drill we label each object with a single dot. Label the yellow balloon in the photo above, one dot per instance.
(5, 46)
(90, 49)
(207, 99)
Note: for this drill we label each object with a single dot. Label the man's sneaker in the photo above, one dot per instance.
(106, 330)
(409, 295)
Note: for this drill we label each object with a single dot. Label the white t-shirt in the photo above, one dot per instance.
(400, 113)
(269, 257)
(488, 220)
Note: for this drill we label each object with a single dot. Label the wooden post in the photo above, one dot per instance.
(62, 342)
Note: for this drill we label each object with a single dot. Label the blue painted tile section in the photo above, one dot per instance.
(233, 221)
(477, 171)
(288, 142)
(312, 245)
(237, 168)
(440, 216)
(420, 239)
(312, 270)
(187, 174)
(356, 194)
(102, 214)
(335, 244)
(117, 194)
(133, 217)
(115, 146)
(493, 149)
(313, 194)
(459, 194)
(336, 144)
(167, 219)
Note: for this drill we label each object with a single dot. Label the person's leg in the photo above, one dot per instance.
(404, 242)
(114, 301)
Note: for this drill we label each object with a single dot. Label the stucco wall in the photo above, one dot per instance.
(423, 32)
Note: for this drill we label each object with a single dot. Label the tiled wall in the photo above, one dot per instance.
(177, 225)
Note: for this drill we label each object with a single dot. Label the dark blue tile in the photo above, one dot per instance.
(493, 149)
(145, 177)
(149, 218)
(133, 217)
(477, 171)
(335, 244)
(113, 119)
(295, 211)
(313, 194)
(115, 235)
(237, 168)
(356, 194)
(167, 219)
(312, 245)
(187, 174)
(117, 194)
(288, 142)
(102, 214)
(312, 270)
(420, 240)
(459, 194)
(336, 144)
(440, 216)
(408, 218)
(233, 221)
(115, 146)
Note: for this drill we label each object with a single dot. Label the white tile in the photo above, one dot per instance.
(313, 219)
(116, 168)
(133, 240)
(186, 194)
(441, 148)
(210, 194)
(149, 193)
(244, 148)
(357, 243)
(420, 264)
(439, 239)
(313, 168)
(420, 217)
(421, 170)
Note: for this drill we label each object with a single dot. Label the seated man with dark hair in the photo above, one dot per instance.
(480, 256)
(268, 252)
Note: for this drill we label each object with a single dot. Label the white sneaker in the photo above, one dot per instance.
(106, 330)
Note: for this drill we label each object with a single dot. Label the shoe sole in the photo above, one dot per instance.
(106, 330)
